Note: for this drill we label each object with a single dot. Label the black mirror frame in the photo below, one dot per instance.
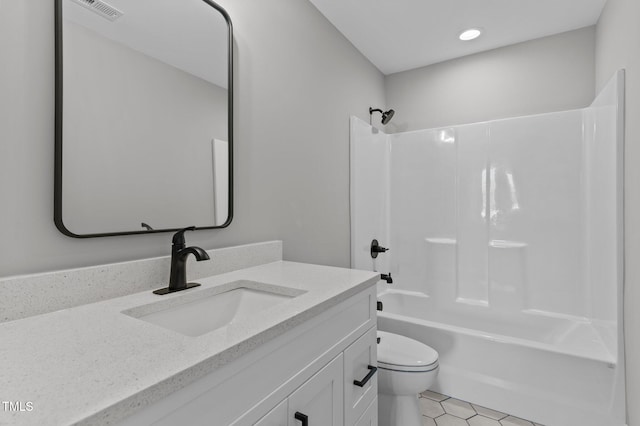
(57, 210)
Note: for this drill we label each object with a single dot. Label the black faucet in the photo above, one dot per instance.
(179, 254)
(387, 278)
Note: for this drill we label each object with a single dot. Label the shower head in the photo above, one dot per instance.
(386, 115)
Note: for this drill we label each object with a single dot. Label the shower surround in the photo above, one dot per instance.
(506, 255)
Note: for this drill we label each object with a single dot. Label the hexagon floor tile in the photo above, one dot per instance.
(443, 410)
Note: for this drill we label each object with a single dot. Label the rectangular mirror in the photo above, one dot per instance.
(144, 121)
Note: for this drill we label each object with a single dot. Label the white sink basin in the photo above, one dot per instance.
(210, 309)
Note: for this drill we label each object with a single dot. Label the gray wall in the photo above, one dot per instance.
(553, 73)
(617, 47)
(297, 82)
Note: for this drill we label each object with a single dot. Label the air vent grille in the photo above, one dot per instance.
(101, 8)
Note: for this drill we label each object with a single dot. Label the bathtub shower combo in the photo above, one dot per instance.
(505, 245)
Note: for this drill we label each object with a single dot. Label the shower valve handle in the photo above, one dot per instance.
(377, 248)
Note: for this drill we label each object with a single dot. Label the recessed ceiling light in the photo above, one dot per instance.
(470, 34)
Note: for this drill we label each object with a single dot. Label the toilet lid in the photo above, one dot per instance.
(401, 353)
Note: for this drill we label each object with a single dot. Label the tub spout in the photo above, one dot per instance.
(387, 278)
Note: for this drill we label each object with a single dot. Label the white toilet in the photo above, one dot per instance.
(406, 367)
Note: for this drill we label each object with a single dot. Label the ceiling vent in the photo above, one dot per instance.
(101, 8)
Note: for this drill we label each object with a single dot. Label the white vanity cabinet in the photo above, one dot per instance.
(370, 416)
(319, 401)
(309, 370)
(359, 362)
(276, 417)
(330, 397)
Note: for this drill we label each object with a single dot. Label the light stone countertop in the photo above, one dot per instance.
(92, 364)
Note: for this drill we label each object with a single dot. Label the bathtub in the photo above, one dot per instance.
(554, 370)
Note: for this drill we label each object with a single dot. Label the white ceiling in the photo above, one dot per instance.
(398, 35)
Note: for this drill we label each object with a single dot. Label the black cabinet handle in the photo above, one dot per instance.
(302, 417)
(372, 371)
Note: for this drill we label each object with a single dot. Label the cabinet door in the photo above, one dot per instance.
(370, 416)
(360, 376)
(319, 401)
(275, 417)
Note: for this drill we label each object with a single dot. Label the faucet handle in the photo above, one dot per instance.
(377, 248)
(178, 237)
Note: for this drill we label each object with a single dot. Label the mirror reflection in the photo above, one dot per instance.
(143, 138)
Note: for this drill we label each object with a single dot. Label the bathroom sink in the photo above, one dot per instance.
(210, 309)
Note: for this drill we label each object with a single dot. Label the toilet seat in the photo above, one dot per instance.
(400, 353)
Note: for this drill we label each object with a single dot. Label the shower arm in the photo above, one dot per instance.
(371, 111)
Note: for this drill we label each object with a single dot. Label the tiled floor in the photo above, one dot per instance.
(441, 410)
